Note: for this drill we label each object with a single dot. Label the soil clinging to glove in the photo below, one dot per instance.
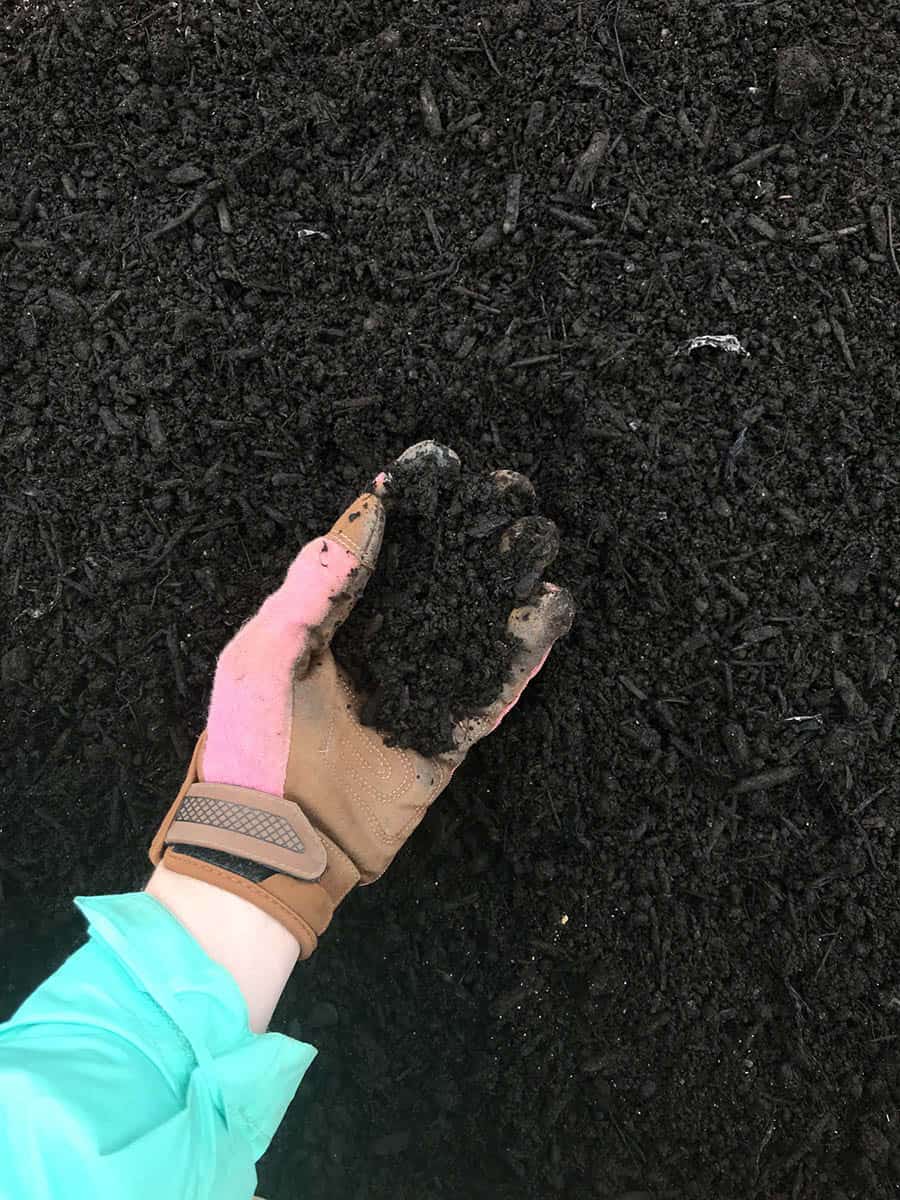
(427, 643)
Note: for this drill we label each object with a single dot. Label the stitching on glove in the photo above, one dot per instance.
(342, 540)
(361, 796)
(333, 848)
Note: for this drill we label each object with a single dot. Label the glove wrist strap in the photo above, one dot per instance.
(252, 844)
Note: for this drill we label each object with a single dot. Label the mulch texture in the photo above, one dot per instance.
(646, 945)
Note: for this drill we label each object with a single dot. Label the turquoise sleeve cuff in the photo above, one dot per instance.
(132, 1071)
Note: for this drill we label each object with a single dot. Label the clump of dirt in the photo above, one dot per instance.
(427, 643)
(802, 81)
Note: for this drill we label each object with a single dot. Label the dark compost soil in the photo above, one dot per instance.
(646, 945)
(428, 643)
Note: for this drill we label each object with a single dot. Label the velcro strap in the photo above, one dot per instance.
(263, 828)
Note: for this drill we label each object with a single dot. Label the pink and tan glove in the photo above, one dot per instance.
(289, 801)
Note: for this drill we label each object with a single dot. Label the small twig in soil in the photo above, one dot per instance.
(868, 845)
(46, 55)
(159, 584)
(731, 456)
(465, 122)
(728, 292)
(29, 204)
(819, 239)
(115, 811)
(431, 115)
(717, 831)
(513, 197)
(133, 574)
(573, 220)
(223, 214)
(821, 965)
(626, 1142)
(354, 403)
(487, 51)
(429, 276)
(709, 129)
(434, 231)
(631, 686)
(628, 82)
(152, 15)
(767, 1137)
(857, 812)
(841, 338)
(754, 160)
(552, 804)
(459, 290)
(624, 224)
(774, 777)
(737, 594)
(534, 361)
(535, 121)
(684, 124)
(590, 160)
(762, 227)
(890, 235)
(617, 353)
(172, 647)
(78, 587)
(209, 191)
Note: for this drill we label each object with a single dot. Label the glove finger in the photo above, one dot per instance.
(358, 532)
(527, 548)
(516, 492)
(360, 529)
(322, 584)
(248, 731)
(536, 626)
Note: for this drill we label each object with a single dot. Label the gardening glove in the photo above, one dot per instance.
(289, 801)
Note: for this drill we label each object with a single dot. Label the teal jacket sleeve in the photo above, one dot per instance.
(132, 1073)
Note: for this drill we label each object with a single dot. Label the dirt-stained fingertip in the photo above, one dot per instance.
(516, 491)
(361, 528)
(528, 547)
(549, 616)
(432, 452)
(381, 485)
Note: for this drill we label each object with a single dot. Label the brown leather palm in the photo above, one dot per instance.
(363, 796)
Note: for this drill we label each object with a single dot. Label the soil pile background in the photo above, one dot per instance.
(647, 943)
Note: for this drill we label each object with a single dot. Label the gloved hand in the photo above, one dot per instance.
(289, 801)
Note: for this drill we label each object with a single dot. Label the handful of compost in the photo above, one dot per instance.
(292, 798)
(428, 644)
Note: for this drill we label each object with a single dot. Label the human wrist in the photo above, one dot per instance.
(256, 949)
